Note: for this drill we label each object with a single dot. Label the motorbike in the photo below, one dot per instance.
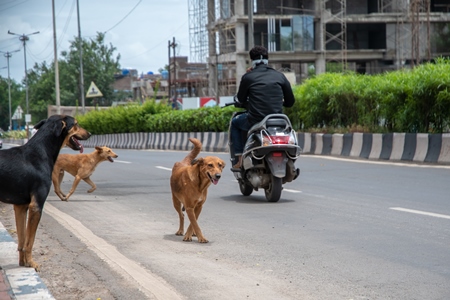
(268, 159)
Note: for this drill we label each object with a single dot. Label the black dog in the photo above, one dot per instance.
(26, 176)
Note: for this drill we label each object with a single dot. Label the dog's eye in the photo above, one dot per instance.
(210, 165)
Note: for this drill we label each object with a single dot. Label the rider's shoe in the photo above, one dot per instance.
(239, 163)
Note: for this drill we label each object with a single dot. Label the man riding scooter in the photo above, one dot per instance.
(263, 91)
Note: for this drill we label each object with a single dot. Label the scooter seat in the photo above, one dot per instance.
(276, 122)
(280, 120)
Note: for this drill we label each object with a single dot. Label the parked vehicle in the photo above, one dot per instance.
(269, 156)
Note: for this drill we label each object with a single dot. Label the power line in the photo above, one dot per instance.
(125, 16)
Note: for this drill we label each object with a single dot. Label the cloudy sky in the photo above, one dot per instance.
(139, 29)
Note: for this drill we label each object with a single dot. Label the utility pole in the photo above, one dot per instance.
(170, 82)
(55, 53)
(8, 55)
(173, 45)
(80, 49)
(24, 38)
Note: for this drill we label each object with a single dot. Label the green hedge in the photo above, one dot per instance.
(415, 100)
(154, 117)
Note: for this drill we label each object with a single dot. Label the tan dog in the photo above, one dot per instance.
(81, 166)
(189, 183)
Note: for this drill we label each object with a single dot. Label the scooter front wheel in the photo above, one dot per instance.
(246, 189)
(273, 192)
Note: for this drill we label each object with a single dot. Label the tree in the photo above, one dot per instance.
(17, 98)
(99, 66)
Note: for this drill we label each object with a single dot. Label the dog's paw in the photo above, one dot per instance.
(32, 264)
(203, 240)
(91, 190)
(179, 232)
(187, 239)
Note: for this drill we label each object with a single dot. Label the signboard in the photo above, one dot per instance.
(17, 113)
(93, 91)
(207, 102)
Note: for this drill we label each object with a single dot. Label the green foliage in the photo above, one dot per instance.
(99, 65)
(403, 101)
(15, 134)
(207, 119)
(156, 117)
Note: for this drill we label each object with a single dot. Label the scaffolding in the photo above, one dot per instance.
(334, 12)
(198, 30)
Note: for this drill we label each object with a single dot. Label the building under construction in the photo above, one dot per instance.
(312, 36)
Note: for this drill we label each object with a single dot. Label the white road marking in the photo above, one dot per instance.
(153, 286)
(122, 161)
(425, 213)
(164, 168)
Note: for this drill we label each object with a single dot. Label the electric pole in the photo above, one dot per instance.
(24, 38)
(173, 45)
(55, 54)
(8, 56)
(80, 49)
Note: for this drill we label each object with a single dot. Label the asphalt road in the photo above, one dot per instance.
(344, 229)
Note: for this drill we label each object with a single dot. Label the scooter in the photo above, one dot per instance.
(270, 151)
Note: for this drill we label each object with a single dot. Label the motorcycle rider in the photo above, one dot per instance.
(261, 91)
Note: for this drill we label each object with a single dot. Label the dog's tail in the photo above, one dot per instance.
(193, 154)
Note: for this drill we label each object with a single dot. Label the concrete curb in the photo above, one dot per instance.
(23, 283)
(420, 147)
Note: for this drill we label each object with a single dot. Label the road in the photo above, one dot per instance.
(345, 229)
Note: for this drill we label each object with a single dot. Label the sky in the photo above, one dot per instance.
(138, 29)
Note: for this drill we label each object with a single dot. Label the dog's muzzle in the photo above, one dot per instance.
(215, 178)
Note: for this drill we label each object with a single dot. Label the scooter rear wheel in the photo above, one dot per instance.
(246, 189)
(273, 192)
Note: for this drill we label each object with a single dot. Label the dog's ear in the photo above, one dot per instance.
(39, 125)
(197, 161)
(60, 125)
(99, 149)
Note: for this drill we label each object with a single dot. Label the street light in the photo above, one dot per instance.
(8, 55)
(24, 38)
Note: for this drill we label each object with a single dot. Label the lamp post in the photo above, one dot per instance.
(24, 38)
(8, 55)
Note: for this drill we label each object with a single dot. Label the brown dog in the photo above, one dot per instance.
(81, 166)
(189, 183)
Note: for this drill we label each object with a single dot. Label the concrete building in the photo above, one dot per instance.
(311, 36)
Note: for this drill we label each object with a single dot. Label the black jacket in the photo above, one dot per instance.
(262, 91)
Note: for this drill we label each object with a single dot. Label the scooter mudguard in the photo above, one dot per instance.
(277, 163)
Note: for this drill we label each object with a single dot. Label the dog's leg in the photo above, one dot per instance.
(34, 216)
(178, 207)
(57, 178)
(193, 227)
(92, 184)
(74, 186)
(20, 212)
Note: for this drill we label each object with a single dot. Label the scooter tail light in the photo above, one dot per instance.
(280, 139)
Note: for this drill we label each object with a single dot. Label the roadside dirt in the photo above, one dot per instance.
(69, 270)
